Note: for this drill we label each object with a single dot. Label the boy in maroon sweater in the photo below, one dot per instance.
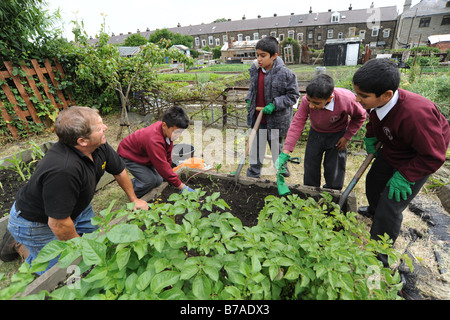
(414, 136)
(335, 118)
(147, 152)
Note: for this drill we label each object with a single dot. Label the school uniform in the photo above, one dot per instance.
(148, 156)
(415, 137)
(278, 86)
(342, 117)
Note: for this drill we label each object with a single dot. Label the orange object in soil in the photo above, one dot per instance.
(195, 163)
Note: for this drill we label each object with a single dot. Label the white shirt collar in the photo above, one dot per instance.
(330, 106)
(384, 110)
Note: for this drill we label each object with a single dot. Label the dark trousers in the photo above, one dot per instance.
(388, 212)
(145, 178)
(258, 149)
(334, 162)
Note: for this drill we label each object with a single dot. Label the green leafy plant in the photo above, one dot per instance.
(300, 249)
(24, 169)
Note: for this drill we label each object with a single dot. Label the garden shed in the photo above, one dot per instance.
(440, 41)
(239, 51)
(341, 52)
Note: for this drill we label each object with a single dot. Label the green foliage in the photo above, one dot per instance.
(24, 169)
(300, 249)
(295, 47)
(174, 38)
(103, 78)
(27, 30)
(135, 40)
(433, 87)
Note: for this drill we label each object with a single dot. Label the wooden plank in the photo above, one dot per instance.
(13, 100)
(42, 79)
(8, 119)
(60, 94)
(23, 92)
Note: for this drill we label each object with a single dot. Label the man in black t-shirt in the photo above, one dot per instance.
(55, 202)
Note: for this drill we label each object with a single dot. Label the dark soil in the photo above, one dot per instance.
(245, 201)
(10, 183)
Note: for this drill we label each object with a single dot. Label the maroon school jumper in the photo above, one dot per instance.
(260, 99)
(148, 147)
(415, 136)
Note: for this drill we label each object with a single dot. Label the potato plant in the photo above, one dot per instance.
(300, 249)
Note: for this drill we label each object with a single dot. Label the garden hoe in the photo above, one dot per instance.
(358, 174)
(249, 145)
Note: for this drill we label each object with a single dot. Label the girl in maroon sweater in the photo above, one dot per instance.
(414, 136)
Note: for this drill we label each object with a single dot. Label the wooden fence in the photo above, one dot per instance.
(25, 82)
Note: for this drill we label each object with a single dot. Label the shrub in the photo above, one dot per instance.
(300, 249)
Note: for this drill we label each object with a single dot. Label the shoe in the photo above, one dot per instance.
(8, 248)
(366, 211)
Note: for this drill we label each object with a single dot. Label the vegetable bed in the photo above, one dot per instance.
(198, 246)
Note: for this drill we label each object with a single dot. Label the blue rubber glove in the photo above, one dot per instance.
(399, 186)
(186, 188)
(269, 108)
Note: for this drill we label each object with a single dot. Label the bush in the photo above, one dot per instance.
(300, 249)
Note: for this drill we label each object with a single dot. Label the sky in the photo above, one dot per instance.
(128, 16)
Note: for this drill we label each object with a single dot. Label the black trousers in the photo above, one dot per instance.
(258, 149)
(388, 212)
(334, 162)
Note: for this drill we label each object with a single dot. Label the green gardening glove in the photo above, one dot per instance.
(269, 108)
(248, 105)
(399, 186)
(283, 189)
(370, 144)
(282, 159)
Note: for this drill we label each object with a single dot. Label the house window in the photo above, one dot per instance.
(210, 40)
(340, 35)
(300, 37)
(335, 17)
(281, 37)
(247, 38)
(424, 22)
(291, 34)
(446, 19)
(273, 34)
(203, 43)
(256, 36)
(217, 42)
(197, 41)
(240, 37)
(225, 38)
(310, 35)
(319, 37)
(362, 34)
(374, 32)
(386, 33)
(351, 32)
(330, 34)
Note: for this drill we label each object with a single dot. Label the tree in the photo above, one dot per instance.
(26, 29)
(175, 38)
(100, 66)
(135, 40)
(295, 47)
